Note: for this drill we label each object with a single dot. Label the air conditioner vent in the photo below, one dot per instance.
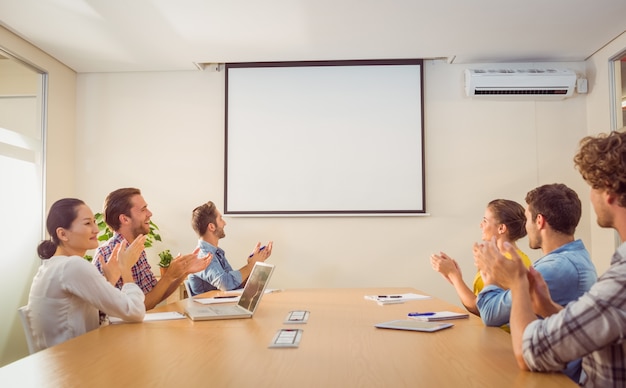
(541, 92)
(532, 83)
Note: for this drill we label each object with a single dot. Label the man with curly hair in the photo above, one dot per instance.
(594, 326)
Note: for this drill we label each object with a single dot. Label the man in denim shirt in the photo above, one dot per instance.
(552, 214)
(208, 223)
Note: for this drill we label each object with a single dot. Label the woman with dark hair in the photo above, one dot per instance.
(67, 291)
(504, 219)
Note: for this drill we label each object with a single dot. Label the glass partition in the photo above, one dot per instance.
(617, 86)
(617, 72)
(22, 139)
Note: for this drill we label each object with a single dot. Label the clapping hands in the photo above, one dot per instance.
(183, 265)
(445, 265)
(123, 257)
(495, 267)
(261, 253)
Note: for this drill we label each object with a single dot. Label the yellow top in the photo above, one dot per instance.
(478, 280)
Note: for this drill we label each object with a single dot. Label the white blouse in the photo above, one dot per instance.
(66, 295)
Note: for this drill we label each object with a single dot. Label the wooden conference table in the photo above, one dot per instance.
(340, 348)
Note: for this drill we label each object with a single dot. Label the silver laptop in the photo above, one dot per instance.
(248, 302)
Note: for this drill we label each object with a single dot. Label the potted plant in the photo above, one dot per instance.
(166, 259)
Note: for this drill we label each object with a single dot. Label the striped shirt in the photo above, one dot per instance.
(592, 327)
(142, 272)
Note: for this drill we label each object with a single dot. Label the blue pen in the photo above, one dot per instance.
(260, 249)
(420, 314)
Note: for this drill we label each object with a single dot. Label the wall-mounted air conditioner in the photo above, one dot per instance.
(515, 83)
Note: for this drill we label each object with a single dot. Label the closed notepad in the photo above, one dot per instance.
(413, 325)
(440, 316)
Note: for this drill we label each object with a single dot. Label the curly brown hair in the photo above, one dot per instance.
(601, 161)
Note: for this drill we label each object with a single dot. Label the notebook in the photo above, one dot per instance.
(247, 304)
(438, 316)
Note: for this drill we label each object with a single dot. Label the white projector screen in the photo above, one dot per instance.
(324, 138)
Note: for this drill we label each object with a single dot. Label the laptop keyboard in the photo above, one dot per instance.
(234, 309)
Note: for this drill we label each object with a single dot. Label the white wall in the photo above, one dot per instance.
(163, 132)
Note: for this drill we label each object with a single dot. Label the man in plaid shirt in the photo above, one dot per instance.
(594, 326)
(127, 214)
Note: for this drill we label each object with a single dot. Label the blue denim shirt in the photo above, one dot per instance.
(218, 275)
(567, 270)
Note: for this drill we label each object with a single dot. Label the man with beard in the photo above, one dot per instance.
(208, 223)
(127, 214)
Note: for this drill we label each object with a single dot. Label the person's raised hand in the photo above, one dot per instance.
(261, 253)
(183, 265)
(110, 268)
(200, 263)
(445, 265)
(497, 268)
(127, 256)
(543, 305)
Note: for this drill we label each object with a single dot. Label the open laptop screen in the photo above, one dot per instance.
(255, 286)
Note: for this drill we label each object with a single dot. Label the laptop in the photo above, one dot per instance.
(247, 304)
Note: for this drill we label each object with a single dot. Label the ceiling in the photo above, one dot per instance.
(163, 35)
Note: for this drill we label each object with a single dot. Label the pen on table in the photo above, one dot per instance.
(224, 296)
(260, 249)
(390, 296)
(420, 314)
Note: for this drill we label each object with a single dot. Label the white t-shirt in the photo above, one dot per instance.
(65, 297)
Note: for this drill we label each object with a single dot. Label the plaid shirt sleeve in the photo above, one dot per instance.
(593, 327)
(142, 272)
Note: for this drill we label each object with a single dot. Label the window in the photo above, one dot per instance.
(22, 102)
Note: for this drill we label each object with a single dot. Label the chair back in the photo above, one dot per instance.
(23, 311)
(187, 289)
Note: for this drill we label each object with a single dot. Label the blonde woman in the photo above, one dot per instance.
(504, 219)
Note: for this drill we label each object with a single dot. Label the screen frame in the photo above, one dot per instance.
(418, 209)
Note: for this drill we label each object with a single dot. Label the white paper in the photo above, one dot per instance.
(165, 316)
(236, 293)
(383, 299)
